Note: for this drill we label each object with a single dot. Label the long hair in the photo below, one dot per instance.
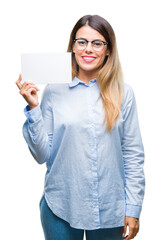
(109, 77)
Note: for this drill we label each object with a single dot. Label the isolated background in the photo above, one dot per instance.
(45, 26)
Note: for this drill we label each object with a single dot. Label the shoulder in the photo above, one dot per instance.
(128, 90)
(128, 95)
(57, 88)
(55, 92)
(52, 89)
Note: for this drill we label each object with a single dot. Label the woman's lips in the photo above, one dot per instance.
(88, 59)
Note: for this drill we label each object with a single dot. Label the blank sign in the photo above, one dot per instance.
(42, 68)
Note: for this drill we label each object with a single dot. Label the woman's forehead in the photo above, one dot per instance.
(89, 33)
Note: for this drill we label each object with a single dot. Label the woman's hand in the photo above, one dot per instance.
(29, 92)
(133, 227)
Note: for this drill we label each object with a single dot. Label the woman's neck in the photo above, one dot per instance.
(86, 77)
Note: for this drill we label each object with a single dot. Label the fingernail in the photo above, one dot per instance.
(123, 235)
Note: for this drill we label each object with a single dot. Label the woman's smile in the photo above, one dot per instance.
(88, 59)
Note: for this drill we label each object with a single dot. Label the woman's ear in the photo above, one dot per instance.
(73, 48)
(107, 52)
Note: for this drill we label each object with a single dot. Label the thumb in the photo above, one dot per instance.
(124, 230)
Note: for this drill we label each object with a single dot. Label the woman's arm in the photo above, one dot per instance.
(133, 156)
(38, 128)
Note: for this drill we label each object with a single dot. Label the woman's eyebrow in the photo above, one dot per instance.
(92, 40)
(82, 38)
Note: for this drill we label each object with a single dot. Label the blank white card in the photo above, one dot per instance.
(43, 68)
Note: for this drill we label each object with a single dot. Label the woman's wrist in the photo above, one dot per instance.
(32, 106)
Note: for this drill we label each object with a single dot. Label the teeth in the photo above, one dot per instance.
(88, 58)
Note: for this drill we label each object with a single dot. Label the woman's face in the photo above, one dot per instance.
(89, 60)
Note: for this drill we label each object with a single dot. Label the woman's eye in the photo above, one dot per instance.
(97, 44)
(82, 42)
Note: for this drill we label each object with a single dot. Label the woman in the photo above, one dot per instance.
(88, 134)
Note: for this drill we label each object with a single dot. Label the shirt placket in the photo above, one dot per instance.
(94, 157)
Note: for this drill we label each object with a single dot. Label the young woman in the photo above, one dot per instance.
(88, 134)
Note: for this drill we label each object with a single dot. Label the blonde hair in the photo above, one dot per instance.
(109, 77)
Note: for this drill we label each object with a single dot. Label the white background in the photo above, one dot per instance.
(45, 26)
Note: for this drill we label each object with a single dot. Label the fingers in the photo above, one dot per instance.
(28, 89)
(124, 230)
(131, 234)
(133, 227)
(18, 82)
(133, 230)
(25, 85)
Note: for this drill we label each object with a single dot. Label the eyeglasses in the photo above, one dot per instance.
(97, 45)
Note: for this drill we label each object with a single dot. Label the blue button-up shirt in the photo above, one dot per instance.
(93, 179)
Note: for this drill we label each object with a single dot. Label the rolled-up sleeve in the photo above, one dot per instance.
(38, 128)
(133, 157)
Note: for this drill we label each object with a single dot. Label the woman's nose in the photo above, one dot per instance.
(89, 47)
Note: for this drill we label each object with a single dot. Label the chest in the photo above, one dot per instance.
(78, 109)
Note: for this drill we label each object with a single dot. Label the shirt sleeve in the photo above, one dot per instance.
(133, 157)
(38, 128)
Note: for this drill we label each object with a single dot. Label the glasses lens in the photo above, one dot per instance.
(97, 45)
(81, 43)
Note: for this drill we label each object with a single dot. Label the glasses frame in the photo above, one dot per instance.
(105, 43)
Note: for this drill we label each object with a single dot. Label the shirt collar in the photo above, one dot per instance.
(76, 81)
